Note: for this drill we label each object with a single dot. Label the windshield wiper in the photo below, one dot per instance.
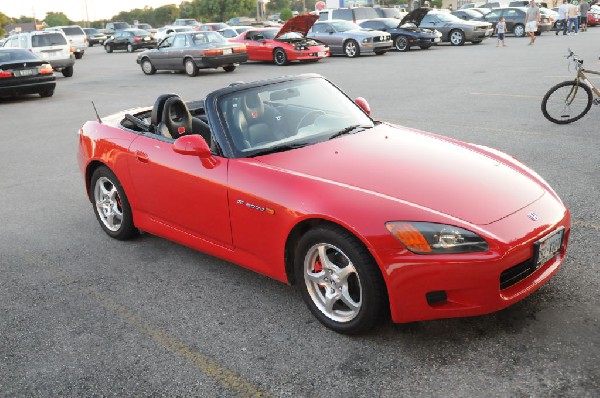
(348, 130)
(279, 148)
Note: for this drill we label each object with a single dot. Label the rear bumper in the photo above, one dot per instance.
(30, 86)
(221, 60)
(58, 64)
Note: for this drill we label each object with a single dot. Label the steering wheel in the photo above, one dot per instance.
(305, 120)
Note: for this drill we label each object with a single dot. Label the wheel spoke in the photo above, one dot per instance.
(317, 277)
(349, 301)
(325, 262)
(344, 273)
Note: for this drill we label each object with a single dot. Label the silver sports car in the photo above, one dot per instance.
(347, 38)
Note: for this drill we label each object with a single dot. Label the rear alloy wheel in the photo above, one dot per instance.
(190, 68)
(229, 68)
(351, 49)
(280, 57)
(457, 37)
(339, 280)
(147, 67)
(519, 30)
(108, 48)
(111, 205)
(401, 43)
(68, 71)
(130, 48)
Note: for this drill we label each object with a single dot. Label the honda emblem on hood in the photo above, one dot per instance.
(533, 216)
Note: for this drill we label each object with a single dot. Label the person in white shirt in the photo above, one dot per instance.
(500, 30)
(563, 17)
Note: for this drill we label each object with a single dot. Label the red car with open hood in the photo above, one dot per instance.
(289, 43)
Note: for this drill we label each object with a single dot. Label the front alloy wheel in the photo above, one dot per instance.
(457, 38)
(111, 205)
(401, 43)
(339, 280)
(351, 49)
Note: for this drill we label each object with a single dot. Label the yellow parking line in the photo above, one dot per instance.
(204, 363)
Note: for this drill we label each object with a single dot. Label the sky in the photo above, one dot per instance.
(75, 10)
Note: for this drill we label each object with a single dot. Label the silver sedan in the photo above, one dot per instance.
(456, 30)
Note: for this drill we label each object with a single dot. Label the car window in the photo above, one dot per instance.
(16, 55)
(229, 33)
(372, 25)
(168, 41)
(179, 41)
(511, 13)
(73, 31)
(493, 15)
(23, 42)
(342, 14)
(50, 39)
(343, 26)
(319, 27)
(428, 19)
(365, 13)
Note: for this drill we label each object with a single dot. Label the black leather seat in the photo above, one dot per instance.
(172, 119)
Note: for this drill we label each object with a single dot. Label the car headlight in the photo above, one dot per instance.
(432, 238)
(366, 40)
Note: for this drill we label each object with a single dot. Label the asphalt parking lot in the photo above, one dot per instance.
(84, 315)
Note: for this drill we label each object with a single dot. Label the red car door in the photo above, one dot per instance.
(180, 191)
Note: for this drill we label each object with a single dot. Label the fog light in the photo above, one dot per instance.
(436, 297)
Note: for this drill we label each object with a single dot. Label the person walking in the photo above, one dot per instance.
(563, 17)
(500, 30)
(573, 19)
(532, 20)
(584, 8)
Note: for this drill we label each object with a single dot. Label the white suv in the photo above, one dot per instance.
(50, 46)
(76, 36)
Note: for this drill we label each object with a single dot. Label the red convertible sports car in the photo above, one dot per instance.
(284, 45)
(292, 179)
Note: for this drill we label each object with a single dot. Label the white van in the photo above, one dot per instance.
(50, 46)
(76, 36)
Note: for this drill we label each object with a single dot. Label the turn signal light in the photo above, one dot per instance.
(215, 51)
(5, 73)
(409, 236)
(241, 49)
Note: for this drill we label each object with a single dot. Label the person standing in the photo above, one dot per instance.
(573, 18)
(584, 8)
(532, 20)
(500, 30)
(563, 17)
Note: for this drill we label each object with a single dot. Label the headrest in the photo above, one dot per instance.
(253, 106)
(157, 109)
(177, 117)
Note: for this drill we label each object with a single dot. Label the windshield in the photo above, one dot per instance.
(291, 35)
(16, 54)
(121, 25)
(342, 26)
(281, 116)
(447, 18)
(391, 23)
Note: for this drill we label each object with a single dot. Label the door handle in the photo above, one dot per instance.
(141, 156)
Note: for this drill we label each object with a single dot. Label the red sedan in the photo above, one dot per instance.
(290, 178)
(284, 45)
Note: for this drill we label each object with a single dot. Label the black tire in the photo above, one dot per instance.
(401, 43)
(78, 55)
(351, 49)
(456, 37)
(360, 294)
(190, 67)
(130, 48)
(68, 71)
(519, 30)
(108, 48)
(229, 68)
(110, 205)
(147, 67)
(280, 57)
(46, 93)
(555, 107)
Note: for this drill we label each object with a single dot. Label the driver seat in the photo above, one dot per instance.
(175, 119)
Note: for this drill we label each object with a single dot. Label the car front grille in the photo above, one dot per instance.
(379, 39)
(517, 273)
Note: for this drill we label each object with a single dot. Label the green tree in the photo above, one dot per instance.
(222, 10)
(285, 14)
(277, 5)
(57, 19)
(4, 20)
(23, 19)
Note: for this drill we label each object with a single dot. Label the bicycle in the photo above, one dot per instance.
(572, 99)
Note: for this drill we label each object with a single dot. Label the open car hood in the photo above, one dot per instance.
(415, 16)
(301, 24)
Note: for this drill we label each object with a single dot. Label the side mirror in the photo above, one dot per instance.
(193, 145)
(363, 104)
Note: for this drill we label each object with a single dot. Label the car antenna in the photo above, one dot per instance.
(95, 110)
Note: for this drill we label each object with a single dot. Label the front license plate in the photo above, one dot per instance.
(227, 51)
(548, 247)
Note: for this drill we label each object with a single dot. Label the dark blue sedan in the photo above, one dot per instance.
(404, 35)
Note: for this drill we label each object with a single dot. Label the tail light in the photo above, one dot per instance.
(70, 49)
(5, 73)
(137, 38)
(241, 49)
(46, 69)
(215, 51)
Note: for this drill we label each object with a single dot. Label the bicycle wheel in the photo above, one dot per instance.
(567, 102)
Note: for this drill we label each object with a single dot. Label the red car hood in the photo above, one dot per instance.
(301, 23)
(418, 168)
